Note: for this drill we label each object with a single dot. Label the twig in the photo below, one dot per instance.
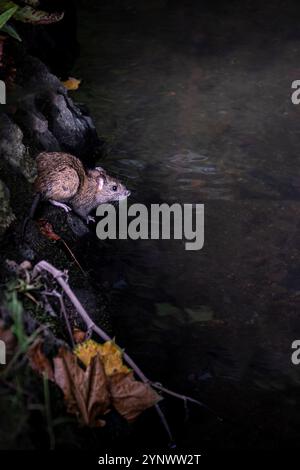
(73, 256)
(47, 306)
(165, 424)
(63, 311)
(59, 276)
(46, 229)
(30, 297)
(185, 398)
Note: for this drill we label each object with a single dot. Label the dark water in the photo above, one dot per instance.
(193, 100)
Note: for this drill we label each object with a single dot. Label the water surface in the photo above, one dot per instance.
(194, 103)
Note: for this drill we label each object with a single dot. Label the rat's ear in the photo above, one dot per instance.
(95, 172)
(100, 181)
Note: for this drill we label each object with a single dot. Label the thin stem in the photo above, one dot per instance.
(59, 276)
(48, 412)
(64, 312)
(63, 309)
(73, 256)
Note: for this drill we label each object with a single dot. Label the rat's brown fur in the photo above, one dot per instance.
(63, 181)
(60, 176)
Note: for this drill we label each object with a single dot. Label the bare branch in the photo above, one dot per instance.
(59, 276)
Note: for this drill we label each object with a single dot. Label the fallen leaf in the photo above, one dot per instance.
(71, 84)
(85, 392)
(38, 361)
(130, 397)
(46, 229)
(112, 357)
(86, 350)
(109, 352)
(89, 393)
(79, 335)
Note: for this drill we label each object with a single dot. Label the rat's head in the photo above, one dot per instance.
(109, 189)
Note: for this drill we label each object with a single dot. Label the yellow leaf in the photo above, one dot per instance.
(71, 84)
(111, 356)
(105, 382)
(109, 352)
(86, 351)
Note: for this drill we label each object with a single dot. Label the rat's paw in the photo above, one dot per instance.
(60, 204)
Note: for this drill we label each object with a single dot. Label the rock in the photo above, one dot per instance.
(42, 117)
(6, 214)
(48, 117)
(12, 148)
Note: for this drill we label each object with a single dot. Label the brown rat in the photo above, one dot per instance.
(63, 181)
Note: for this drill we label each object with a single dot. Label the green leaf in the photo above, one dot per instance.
(6, 5)
(30, 15)
(11, 31)
(4, 17)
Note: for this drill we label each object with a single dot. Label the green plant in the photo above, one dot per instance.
(4, 26)
(26, 14)
(15, 308)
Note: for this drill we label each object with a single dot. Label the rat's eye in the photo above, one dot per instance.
(114, 188)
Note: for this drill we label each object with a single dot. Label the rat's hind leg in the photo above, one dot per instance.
(60, 204)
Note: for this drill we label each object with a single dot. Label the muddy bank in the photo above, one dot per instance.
(40, 115)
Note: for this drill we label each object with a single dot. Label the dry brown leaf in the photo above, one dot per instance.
(89, 393)
(130, 397)
(46, 229)
(38, 361)
(86, 392)
(79, 335)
